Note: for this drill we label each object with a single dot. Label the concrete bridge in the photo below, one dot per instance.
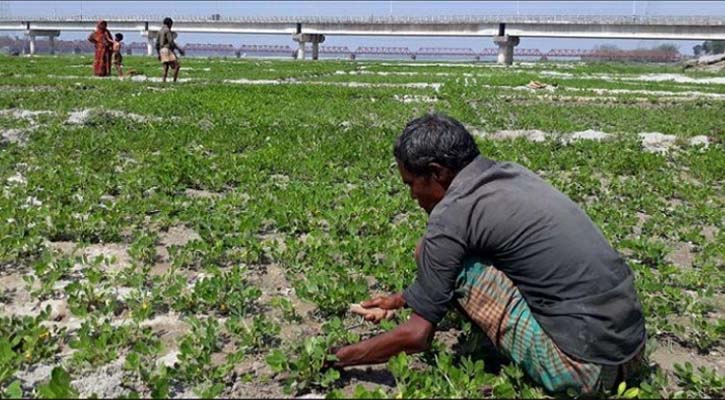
(506, 31)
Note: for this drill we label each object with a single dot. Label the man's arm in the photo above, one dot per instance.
(413, 336)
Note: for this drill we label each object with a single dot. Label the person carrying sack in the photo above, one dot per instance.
(165, 47)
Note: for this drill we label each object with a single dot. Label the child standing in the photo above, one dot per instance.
(116, 57)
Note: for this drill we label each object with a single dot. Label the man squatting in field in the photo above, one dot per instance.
(517, 257)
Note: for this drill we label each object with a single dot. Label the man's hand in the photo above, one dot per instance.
(181, 51)
(392, 302)
(379, 308)
(413, 336)
(373, 314)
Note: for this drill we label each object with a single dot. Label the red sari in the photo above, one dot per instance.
(104, 47)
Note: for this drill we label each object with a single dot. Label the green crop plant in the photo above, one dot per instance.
(255, 335)
(58, 387)
(307, 370)
(304, 179)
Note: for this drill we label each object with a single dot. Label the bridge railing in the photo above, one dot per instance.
(699, 20)
(639, 54)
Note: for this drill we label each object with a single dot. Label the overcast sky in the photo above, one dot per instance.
(90, 9)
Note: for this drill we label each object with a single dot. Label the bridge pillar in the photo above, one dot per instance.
(352, 56)
(51, 35)
(150, 36)
(303, 38)
(301, 51)
(506, 46)
(315, 50)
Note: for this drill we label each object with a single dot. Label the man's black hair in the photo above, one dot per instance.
(434, 138)
(119, 36)
(168, 21)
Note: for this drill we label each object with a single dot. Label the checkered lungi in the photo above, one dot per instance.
(492, 301)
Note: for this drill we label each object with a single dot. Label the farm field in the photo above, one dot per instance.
(205, 238)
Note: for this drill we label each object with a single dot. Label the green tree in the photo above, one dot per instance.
(667, 47)
(710, 47)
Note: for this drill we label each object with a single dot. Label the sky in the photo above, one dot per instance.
(90, 9)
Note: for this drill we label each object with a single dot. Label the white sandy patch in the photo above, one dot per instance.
(81, 117)
(417, 85)
(16, 135)
(533, 135)
(34, 375)
(134, 78)
(31, 202)
(178, 235)
(679, 78)
(453, 65)
(556, 74)
(656, 142)
(588, 134)
(202, 194)
(17, 179)
(168, 359)
(700, 140)
(78, 117)
(106, 381)
(405, 73)
(244, 81)
(684, 95)
(25, 89)
(27, 115)
(144, 78)
(408, 98)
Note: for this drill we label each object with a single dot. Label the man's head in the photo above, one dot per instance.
(119, 37)
(168, 22)
(430, 152)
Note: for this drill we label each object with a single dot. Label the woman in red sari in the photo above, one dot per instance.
(104, 45)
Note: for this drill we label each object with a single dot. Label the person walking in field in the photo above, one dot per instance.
(165, 47)
(117, 57)
(103, 41)
(517, 257)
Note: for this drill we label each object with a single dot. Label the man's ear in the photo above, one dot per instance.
(442, 174)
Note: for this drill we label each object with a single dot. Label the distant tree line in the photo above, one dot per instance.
(666, 52)
(709, 47)
(665, 48)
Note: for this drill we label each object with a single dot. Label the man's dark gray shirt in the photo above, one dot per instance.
(578, 287)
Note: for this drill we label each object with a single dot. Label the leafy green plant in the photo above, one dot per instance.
(142, 249)
(307, 370)
(59, 386)
(703, 382)
(227, 293)
(289, 312)
(254, 336)
(24, 341)
(98, 342)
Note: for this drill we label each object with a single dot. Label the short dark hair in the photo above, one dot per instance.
(119, 36)
(168, 21)
(434, 138)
